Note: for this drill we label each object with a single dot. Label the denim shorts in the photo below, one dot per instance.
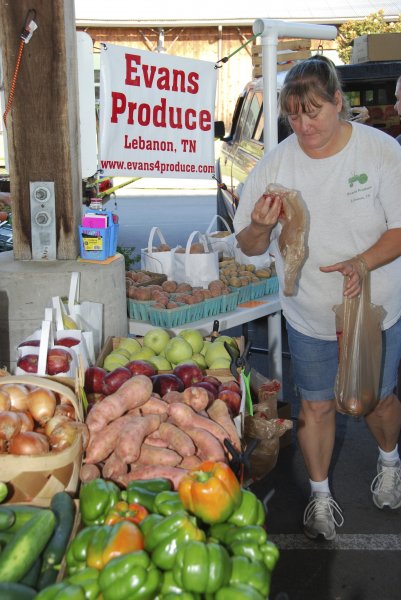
(315, 362)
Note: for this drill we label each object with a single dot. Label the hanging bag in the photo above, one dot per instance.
(222, 242)
(358, 326)
(157, 261)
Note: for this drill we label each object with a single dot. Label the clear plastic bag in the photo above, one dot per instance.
(358, 326)
(292, 240)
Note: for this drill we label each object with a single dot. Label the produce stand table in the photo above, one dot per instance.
(267, 306)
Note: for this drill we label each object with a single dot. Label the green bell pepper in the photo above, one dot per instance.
(247, 533)
(202, 568)
(78, 548)
(88, 580)
(251, 511)
(167, 502)
(167, 535)
(130, 576)
(253, 573)
(268, 552)
(96, 498)
(219, 531)
(238, 591)
(144, 491)
(62, 591)
(149, 522)
(170, 590)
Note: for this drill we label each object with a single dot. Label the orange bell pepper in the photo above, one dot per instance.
(211, 492)
(110, 541)
(122, 511)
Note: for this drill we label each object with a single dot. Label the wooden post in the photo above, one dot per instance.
(42, 126)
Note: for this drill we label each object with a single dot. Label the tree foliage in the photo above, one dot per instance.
(374, 23)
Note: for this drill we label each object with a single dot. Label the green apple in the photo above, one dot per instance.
(193, 337)
(199, 359)
(178, 350)
(143, 354)
(220, 363)
(160, 363)
(114, 360)
(216, 352)
(122, 351)
(156, 339)
(130, 344)
(231, 341)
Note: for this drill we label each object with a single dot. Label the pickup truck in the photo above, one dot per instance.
(371, 85)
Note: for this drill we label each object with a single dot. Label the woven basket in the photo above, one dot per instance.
(38, 478)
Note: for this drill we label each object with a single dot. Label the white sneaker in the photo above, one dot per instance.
(321, 516)
(386, 486)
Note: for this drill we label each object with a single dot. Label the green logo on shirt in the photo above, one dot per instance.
(362, 178)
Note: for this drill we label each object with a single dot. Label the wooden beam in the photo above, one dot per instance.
(43, 123)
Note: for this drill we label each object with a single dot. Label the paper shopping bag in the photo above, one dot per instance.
(196, 268)
(222, 242)
(88, 315)
(157, 259)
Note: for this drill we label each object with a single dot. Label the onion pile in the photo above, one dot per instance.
(35, 421)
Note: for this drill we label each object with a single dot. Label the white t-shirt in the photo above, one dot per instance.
(351, 198)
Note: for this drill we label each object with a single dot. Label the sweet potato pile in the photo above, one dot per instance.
(136, 434)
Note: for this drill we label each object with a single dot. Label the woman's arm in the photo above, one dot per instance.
(255, 238)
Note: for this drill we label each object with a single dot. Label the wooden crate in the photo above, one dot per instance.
(288, 53)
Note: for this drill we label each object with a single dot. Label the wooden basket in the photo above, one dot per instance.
(38, 478)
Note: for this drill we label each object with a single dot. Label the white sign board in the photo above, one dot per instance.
(156, 114)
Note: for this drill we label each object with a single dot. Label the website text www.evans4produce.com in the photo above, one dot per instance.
(157, 166)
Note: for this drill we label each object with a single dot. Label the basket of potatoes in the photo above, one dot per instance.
(247, 279)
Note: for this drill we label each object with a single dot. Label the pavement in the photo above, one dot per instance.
(363, 562)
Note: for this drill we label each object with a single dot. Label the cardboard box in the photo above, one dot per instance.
(377, 46)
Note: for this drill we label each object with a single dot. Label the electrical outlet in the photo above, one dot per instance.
(43, 220)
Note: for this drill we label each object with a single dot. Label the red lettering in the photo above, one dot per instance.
(190, 123)
(130, 60)
(148, 74)
(143, 114)
(118, 105)
(205, 120)
(193, 87)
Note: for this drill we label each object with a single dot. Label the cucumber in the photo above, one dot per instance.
(31, 577)
(63, 508)
(7, 518)
(26, 545)
(22, 512)
(3, 491)
(16, 591)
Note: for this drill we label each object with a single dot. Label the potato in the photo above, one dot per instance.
(169, 286)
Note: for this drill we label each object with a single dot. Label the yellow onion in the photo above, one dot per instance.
(54, 422)
(18, 395)
(42, 404)
(66, 409)
(29, 443)
(10, 424)
(5, 401)
(66, 433)
(27, 423)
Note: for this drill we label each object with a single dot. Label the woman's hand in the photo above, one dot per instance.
(354, 269)
(266, 211)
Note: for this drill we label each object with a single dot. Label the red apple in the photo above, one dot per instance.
(58, 361)
(232, 385)
(207, 386)
(167, 382)
(213, 380)
(29, 343)
(115, 379)
(188, 373)
(196, 397)
(28, 363)
(141, 367)
(67, 341)
(94, 377)
(232, 399)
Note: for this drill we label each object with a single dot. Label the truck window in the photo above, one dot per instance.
(252, 116)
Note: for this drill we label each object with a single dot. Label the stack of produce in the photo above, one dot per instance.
(205, 541)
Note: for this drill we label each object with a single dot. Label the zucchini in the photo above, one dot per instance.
(22, 512)
(26, 545)
(31, 577)
(7, 518)
(63, 508)
(16, 591)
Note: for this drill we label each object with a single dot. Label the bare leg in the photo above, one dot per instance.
(316, 435)
(385, 422)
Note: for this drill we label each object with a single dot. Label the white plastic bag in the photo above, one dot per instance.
(160, 261)
(196, 269)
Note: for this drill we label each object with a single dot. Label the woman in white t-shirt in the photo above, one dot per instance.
(349, 176)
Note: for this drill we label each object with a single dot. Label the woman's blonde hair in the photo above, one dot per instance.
(308, 84)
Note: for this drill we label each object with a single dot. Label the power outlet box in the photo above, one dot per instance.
(43, 220)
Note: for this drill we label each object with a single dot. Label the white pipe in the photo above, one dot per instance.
(270, 30)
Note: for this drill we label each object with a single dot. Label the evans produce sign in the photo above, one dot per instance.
(156, 114)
